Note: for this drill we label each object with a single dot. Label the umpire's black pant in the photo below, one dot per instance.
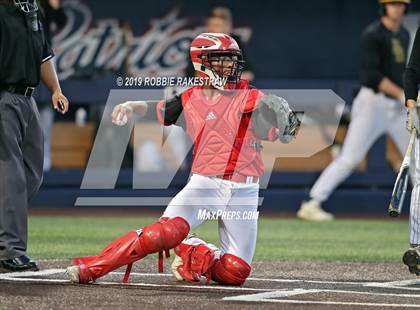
(21, 160)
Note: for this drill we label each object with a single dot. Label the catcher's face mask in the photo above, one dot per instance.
(226, 65)
(26, 5)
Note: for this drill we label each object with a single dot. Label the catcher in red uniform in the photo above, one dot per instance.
(226, 119)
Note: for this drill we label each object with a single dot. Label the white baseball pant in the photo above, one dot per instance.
(373, 114)
(235, 204)
(415, 198)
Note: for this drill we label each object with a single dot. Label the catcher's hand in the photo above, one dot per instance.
(288, 123)
(174, 267)
(122, 113)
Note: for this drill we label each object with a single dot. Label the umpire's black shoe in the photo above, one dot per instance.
(18, 264)
(411, 258)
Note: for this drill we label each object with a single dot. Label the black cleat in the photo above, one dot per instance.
(411, 258)
(18, 264)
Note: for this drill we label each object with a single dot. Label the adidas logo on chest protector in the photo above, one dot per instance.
(210, 116)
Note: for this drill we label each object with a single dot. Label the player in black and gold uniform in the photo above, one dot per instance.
(378, 108)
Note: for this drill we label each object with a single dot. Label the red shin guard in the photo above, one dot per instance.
(162, 235)
(231, 270)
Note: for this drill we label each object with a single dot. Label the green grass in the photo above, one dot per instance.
(278, 239)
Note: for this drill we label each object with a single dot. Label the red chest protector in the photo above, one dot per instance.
(222, 131)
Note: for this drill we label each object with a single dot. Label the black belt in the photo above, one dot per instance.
(26, 91)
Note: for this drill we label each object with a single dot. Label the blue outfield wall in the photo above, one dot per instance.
(366, 193)
(362, 193)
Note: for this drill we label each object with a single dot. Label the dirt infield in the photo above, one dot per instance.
(272, 285)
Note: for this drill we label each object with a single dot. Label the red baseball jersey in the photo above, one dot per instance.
(222, 129)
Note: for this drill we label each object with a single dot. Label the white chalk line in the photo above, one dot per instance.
(257, 279)
(404, 288)
(204, 287)
(145, 285)
(394, 284)
(265, 296)
(47, 272)
(54, 260)
(400, 283)
(28, 277)
(250, 298)
(370, 293)
(338, 303)
(36, 280)
(299, 291)
(268, 297)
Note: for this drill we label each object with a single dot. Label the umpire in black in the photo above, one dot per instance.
(25, 59)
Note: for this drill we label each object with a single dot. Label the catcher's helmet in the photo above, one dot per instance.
(207, 49)
(26, 5)
(382, 3)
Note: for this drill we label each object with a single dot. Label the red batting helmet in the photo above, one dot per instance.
(383, 3)
(208, 48)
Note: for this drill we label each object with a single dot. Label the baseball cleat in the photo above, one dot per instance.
(311, 211)
(18, 264)
(411, 259)
(72, 273)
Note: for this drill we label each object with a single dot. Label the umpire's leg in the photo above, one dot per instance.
(33, 152)
(19, 171)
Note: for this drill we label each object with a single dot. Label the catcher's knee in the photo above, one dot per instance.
(164, 234)
(231, 270)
